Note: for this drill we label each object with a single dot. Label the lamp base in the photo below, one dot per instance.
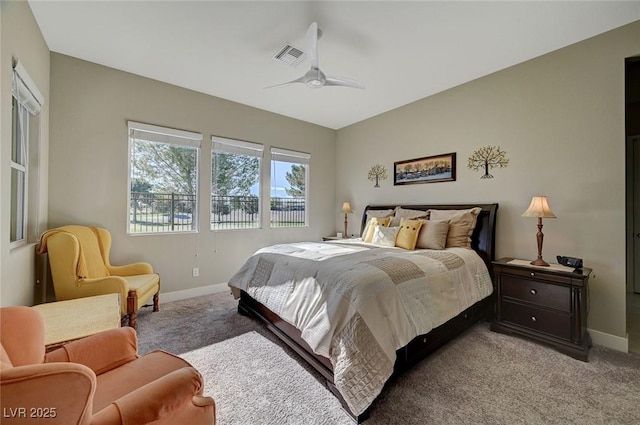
(540, 262)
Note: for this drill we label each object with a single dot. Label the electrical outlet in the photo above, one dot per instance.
(196, 272)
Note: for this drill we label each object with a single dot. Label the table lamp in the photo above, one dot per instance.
(539, 208)
(346, 209)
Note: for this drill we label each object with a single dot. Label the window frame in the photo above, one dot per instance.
(27, 101)
(297, 158)
(237, 147)
(168, 136)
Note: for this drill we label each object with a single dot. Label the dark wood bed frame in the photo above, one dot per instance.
(482, 241)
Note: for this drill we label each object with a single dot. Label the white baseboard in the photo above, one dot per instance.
(610, 341)
(166, 297)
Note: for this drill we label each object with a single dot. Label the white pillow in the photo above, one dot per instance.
(377, 214)
(385, 236)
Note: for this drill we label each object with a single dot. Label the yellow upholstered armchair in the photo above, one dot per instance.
(80, 267)
(98, 380)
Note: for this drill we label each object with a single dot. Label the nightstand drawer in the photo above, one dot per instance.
(539, 293)
(530, 273)
(549, 322)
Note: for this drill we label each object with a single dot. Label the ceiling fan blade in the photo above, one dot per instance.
(311, 44)
(343, 82)
(297, 80)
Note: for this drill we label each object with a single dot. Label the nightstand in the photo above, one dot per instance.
(545, 304)
(334, 238)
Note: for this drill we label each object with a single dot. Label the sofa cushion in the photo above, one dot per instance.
(121, 381)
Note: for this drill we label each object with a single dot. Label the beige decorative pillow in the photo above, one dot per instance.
(385, 236)
(408, 234)
(433, 234)
(375, 213)
(407, 213)
(373, 223)
(461, 225)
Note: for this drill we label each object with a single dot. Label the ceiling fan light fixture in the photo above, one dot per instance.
(315, 84)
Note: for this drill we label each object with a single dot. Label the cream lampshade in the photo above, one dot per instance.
(346, 209)
(539, 208)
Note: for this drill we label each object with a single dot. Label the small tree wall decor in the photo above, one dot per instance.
(377, 172)
(487, 157)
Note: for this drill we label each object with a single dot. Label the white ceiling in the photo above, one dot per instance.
(402, 51)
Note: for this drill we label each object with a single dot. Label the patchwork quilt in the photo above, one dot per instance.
(356, 303)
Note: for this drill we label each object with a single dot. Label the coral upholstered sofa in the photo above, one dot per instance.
(96, 380)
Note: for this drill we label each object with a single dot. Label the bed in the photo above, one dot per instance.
(361, 314)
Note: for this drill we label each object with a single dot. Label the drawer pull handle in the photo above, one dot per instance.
(533, 291)
(533, 274)
(533, 319)
(424, 340)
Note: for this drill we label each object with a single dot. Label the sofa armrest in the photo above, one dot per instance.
(101, 286)
(179, 389)
(54, 393)
(101, 352)
(131, 269)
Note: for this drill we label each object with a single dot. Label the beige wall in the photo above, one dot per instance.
(90, 107)
(560, 119)
(20, 38)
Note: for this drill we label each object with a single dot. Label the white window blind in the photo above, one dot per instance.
(238, 147)
(154, 133)
(285, 155)
(25, 90)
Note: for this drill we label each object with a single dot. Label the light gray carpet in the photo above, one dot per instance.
(480, 378)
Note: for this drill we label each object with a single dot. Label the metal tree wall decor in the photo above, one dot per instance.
(487, 157)
(377, 172)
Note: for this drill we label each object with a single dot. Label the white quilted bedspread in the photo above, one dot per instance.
(356, 303)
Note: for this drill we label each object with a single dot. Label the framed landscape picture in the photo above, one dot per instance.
(430, 169)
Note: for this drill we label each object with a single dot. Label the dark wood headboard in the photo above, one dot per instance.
(483, 237)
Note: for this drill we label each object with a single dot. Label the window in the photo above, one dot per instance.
(163, 179)
(289, 180)
(235, 184)
(26, 103)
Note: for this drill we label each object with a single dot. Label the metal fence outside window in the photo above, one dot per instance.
(242, 212)
(162, 212)
(171, 212)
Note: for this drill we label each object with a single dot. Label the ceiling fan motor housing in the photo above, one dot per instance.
(315, 78)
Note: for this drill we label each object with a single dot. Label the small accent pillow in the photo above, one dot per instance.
(373, 223)
(433, 234)
(375, 213)
(408, 234)
(461, 225)
(406, 213)
(385, 236)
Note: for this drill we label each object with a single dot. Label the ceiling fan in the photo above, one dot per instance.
(315, 78)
